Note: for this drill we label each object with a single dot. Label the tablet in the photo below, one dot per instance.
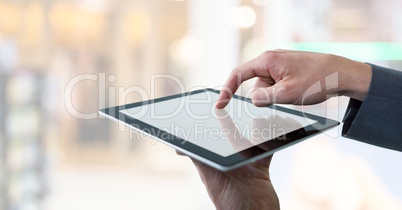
(221, 138)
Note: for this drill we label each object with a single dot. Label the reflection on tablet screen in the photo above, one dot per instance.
(227, 131)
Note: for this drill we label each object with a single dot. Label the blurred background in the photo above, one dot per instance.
(61, 61)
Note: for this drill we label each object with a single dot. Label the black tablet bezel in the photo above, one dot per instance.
(235, 159)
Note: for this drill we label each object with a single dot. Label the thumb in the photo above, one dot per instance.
(264, 96)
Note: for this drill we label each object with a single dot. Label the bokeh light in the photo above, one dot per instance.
(241, 17)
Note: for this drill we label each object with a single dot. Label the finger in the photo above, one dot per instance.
(265, 162)
(264, 82)
(236, 78)
(246, 71)
(277, 93)
(262, 96)
(206, 173)
(261, 91)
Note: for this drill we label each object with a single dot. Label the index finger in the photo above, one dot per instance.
(240, 74)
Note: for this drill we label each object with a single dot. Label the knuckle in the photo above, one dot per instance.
(269, 54)
(270, 57)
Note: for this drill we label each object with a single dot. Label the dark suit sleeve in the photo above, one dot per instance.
(378, 119)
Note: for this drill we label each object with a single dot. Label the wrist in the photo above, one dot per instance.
(354, 80)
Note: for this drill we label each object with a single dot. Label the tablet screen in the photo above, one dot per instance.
(224, 132)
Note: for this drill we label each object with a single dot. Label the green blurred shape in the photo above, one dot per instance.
(363, 51)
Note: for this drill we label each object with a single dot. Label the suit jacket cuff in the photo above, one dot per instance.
(378, 119)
